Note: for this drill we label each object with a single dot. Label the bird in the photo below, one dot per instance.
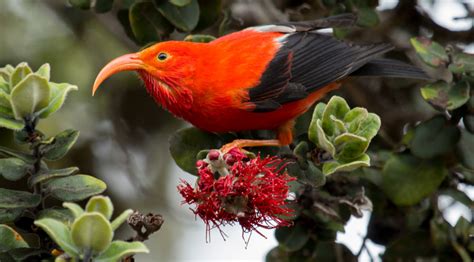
(259, 78)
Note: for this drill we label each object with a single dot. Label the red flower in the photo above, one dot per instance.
(234, 189)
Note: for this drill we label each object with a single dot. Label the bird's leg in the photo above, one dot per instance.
(284, 137)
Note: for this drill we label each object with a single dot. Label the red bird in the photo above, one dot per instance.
(259, 78)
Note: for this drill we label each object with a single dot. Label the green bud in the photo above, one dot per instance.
(344, 133)
(101, 204)
(30, 95)
(92, 232)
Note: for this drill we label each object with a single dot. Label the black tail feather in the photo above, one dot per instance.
(390, 68)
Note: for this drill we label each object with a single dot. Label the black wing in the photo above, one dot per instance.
(308, 61)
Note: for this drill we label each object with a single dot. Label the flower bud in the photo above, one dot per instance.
(229, 159)
(201, 164)
(152, 222)
(213, 155)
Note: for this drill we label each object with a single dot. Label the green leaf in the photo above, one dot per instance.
(58, 95)
(45, 175)
(18, 199)
(147, 24)
(368, 126)
(301, 150)
(92, 231)
(407, 180)
(75, 188)
(4, 96)
(123, 16)
(313, 126)
(180, 3)
(209, 13)
(74, 208)
(318, 111)
(14, 153)
(118, 221)
(462, 228)
(44, 71)
(101, 204)
(13, 169)
(312, 176)
(120, 249)
(354, 117)
(11, 123)
(102, 6)
(465, 149)
(185, 18)
(439, 229)
(434, 137)
(10, 239)
(199, 38)
(22, 137)
(29, 96)
(82, 4)
(186, 143)
(292, 238)
(339, 126)
(61, 145)
(8, 215)
(202, 154)
(6, 111)
(321, 139)
(350, 146)
(367, 17)
(60, 234)
(430, 52)
(331, 167)
(459, 196)
(462, 63)
(336, 107)
(61, 214)
(442, 95)
(5, 73)
(23, 254)
(20, 72)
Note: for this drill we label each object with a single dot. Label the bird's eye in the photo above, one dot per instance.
(162, 56)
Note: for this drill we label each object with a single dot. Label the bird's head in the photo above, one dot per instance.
(165, 65)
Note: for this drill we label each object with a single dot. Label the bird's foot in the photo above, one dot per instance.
(241, 143)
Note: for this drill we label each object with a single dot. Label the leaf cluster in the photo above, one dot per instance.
(154, 20)
(27, 97)
(89, 233)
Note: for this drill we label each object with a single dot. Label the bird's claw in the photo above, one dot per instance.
(227, 147)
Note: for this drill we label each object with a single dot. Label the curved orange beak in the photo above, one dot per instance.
(127, 62)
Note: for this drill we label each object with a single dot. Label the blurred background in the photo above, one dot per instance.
(124, 134)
